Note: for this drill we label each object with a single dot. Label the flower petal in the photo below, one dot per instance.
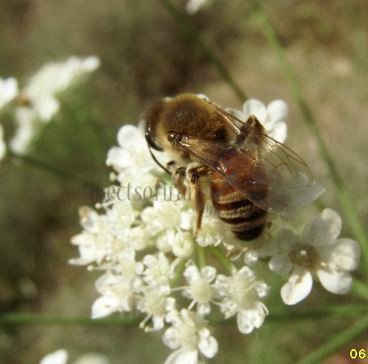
(119, 158)
(183, 356)
(2, 143)
(207, 344)
(345, 255)
(191, 273)
(192, 7)
(129, 136)
(324, 229)
(255, 107)
(281, 264)
(298, 286)
(250, 319)
(171, 338)
(277, 110)
(104, 306)
(208, 273)
(278, 132)
(337, 282)
(92, 358)
(8, 90)
(57, 357)
(46, 107)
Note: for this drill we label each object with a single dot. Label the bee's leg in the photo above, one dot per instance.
(178, 176)
(196, 193)
(252, 125)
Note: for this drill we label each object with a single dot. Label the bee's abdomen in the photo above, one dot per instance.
(246, 220)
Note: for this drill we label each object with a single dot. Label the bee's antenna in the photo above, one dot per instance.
(157, 162)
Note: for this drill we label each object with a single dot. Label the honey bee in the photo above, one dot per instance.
(249, 174)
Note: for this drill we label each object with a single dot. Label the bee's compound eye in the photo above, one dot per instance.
(171, 137)
(150, 141)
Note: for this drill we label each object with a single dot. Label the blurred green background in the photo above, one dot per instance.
(146, 55)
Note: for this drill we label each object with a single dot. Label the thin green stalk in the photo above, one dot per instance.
(201, 256)
(337, 342)
(37, 163)
(191, 31)
(178, 272)
(222, 258)
(51, 319)
(360, 289)
(328, 312)
(321, 312)
(343, 196)
(24, 318)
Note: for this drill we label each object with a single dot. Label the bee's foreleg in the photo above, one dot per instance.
(178, 176)
(196, 194)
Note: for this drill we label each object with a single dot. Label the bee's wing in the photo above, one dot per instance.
(266, 172)
(290, 183)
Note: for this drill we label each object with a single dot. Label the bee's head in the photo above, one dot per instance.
(152, 119)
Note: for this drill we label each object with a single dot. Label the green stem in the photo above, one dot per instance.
(178, 272)
(219, 254)
(337, 342)
(37, 163)
(322, 312)
(201, 256)
(343, 196)
(24, 318)
(360, 289)
(191, 31)
(51, 319)
(345, 311)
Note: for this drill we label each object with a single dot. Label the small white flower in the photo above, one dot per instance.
(212, 232)
(182, 245)
(8, 90)
(272, 116)
(132, 162)
(252, 254)
(194, 5)
(117, 295)
(126, 265)
(241, 295)
(156, 304)
(38, 101)
(27, 128)
(190, 337)
(92, 358)
(200, 290)
(319, 252)
(2, 143)
(158, 271)
(54, 78)
(61, 357)
(163, 216)
(104, 236)
(57, 357)
(139, 238)
(167, 221)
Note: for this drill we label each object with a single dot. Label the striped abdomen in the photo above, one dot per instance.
(246, 220)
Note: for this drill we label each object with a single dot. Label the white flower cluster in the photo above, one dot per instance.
(154, 264)
(194, 5)
(61, 357)
(36, 103)
(8, 91)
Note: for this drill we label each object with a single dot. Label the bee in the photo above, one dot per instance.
(249, 174)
